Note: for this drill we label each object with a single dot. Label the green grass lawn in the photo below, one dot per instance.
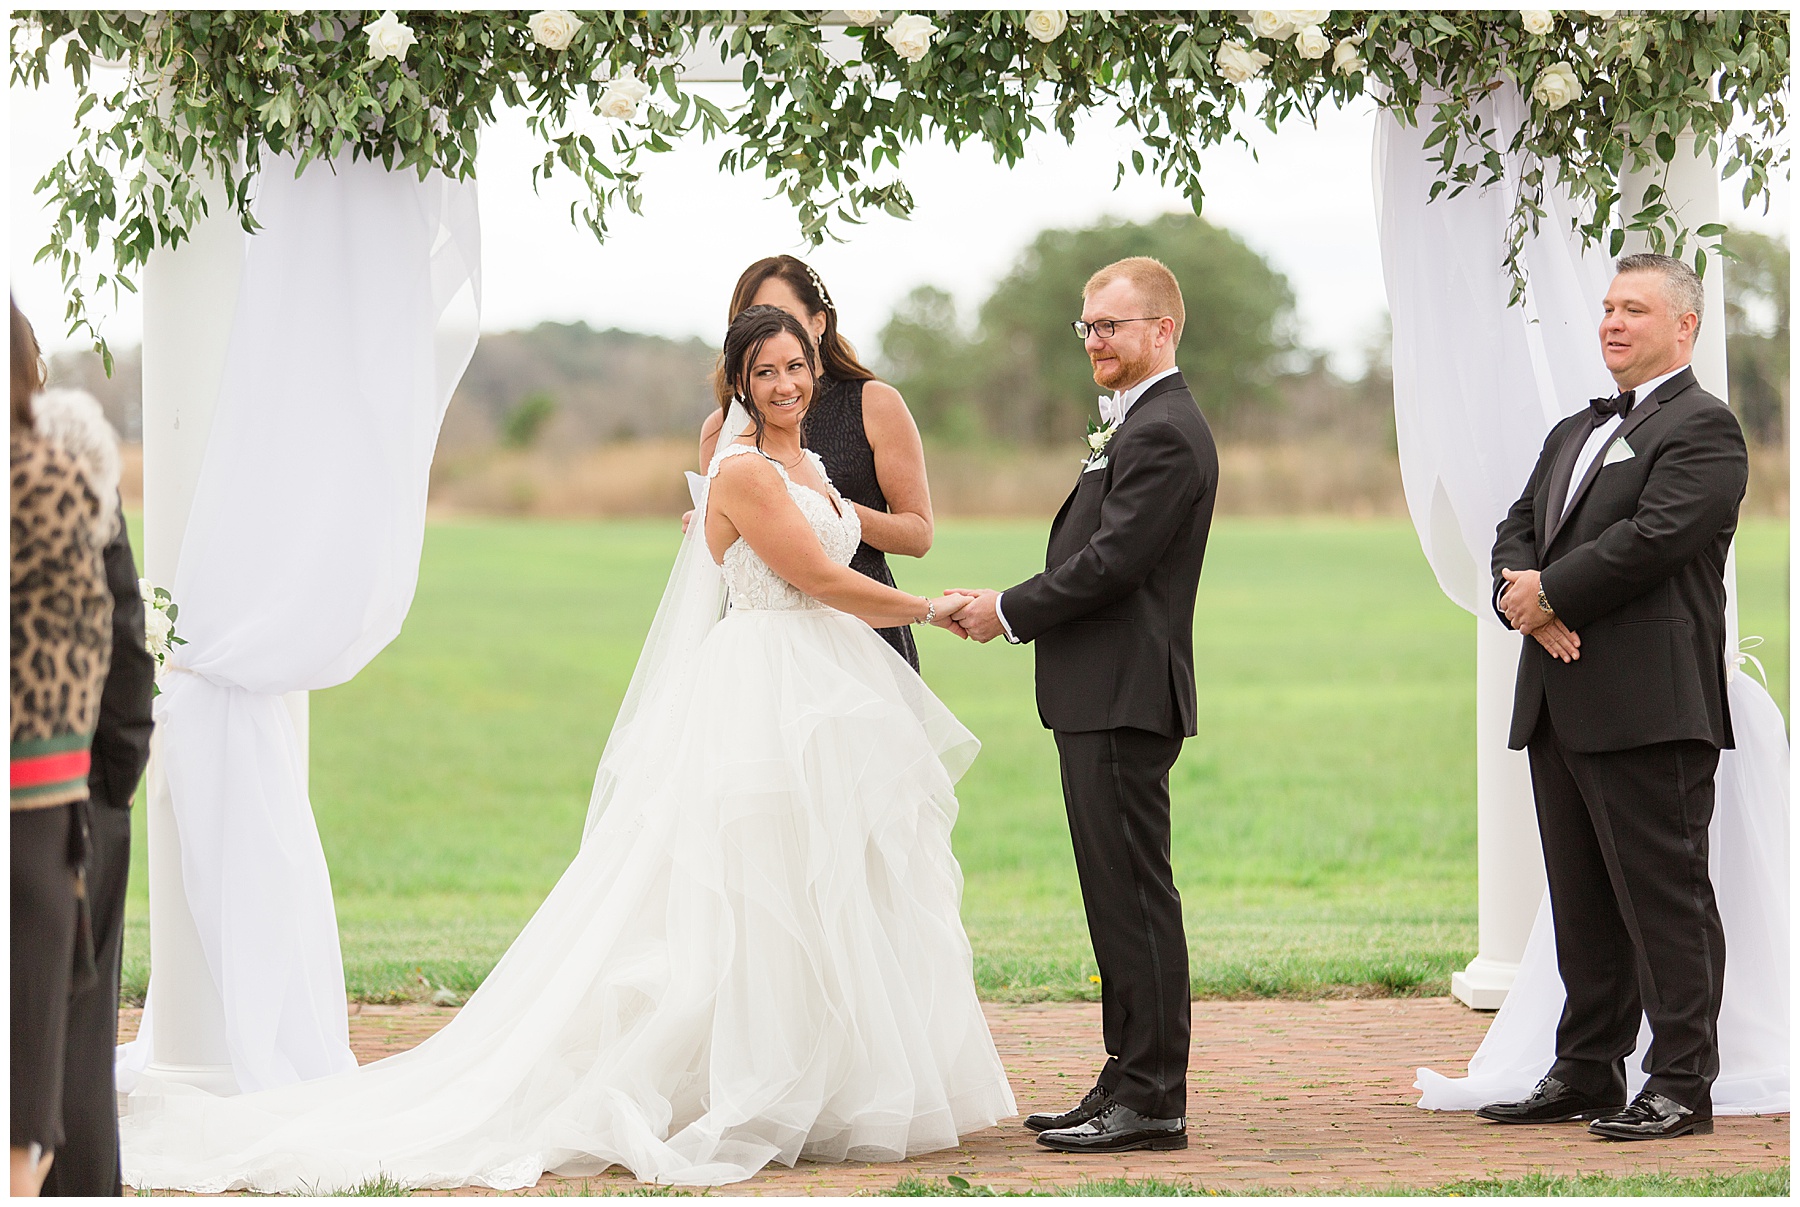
(1324, 818)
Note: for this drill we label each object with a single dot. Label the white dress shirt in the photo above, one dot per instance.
(1121, 406)
(1602, 436)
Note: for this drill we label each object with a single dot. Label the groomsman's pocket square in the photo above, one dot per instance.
(1620, 451)
(1096, 463)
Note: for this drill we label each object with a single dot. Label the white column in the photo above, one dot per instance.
(1509, 862)
(190, 293)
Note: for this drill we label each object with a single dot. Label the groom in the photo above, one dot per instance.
(1113, 619)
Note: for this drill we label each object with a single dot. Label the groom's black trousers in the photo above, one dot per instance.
(1116, 789)
(1637, 926)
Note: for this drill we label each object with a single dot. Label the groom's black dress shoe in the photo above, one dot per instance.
(1091, 1104)
(1116, 1129)
(1551, 1102)
(1652, 1117)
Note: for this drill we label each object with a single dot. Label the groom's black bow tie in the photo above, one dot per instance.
(1602, 409)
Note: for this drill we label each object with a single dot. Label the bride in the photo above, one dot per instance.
(756, 954)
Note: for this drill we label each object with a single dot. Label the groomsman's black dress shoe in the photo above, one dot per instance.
(1116, 1129)
(1551, 1102)
(1091, 1104)
(1652, 1117)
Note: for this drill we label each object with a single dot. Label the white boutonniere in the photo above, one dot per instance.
(160, 611)
(1096, 439)
(1620, 451)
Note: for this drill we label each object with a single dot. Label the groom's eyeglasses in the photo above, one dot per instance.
(1104, 328)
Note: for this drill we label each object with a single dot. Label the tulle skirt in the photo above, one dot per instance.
(755, 956)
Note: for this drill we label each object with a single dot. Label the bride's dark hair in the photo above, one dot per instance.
(748, 332)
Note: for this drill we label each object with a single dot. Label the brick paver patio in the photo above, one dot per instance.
(1288, 1094)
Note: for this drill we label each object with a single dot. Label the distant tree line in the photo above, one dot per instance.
(1013, 372)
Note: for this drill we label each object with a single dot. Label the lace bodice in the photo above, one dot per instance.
(749, 581)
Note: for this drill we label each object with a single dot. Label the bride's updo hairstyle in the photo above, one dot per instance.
(744, 339)
(837, 357)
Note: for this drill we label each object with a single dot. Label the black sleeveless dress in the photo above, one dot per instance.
(834, 430)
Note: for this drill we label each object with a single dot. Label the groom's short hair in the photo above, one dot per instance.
(1155, 285)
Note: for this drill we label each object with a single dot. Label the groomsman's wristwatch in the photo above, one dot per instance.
(1544, 603)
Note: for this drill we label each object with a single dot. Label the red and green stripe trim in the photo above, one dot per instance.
(50, 767)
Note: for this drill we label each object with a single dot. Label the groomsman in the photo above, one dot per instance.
(1112, 617)
(1613, 562)
(87, 1163)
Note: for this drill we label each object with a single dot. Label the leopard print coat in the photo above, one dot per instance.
(61, 623)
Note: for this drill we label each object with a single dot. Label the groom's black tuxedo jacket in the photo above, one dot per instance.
(1636, 568)
(1112, 614)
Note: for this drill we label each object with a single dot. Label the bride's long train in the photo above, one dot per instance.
(755, 956)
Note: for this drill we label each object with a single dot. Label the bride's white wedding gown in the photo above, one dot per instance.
(755, 956)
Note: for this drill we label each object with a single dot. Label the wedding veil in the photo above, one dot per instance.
(691, 604)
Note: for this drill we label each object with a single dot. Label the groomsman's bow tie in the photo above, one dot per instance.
(1601, 409)
(1111, 408)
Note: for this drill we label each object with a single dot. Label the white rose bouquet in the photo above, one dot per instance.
(911, 36)
(1238, 63)
(622, 97)
(554, 28)
(1556, 86)
(1312, 43)
(160, 611)
(390, 37)
(1046, 24)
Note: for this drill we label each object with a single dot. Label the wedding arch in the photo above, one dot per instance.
(1516, 151)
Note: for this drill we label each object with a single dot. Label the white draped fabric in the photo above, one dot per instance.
(1477, 387)
(1477, 384)
(357, 313)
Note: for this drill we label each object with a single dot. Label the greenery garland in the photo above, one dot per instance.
(212, 94)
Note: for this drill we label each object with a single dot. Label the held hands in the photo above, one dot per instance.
(977, 618)
(949, 606)
(1519, 601)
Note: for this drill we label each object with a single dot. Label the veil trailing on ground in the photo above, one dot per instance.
(691, 604)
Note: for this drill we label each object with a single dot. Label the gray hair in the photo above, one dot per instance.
(1681, 286)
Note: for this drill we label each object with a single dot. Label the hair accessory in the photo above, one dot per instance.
(819, 285)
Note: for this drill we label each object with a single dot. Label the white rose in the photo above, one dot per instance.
(1238, 63)
(158, 628)
(389, 37)
(1312, 43)
(1046, 24)
(146, 591)
(554, 28)
(622, 97)
(1556, 86)
(1097, 440)
(1300, 18)
(1345, 59)
(911, 36)
(863, 16)
(1269, 23)
(1537, 21)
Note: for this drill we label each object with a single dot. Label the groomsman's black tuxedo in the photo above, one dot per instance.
(1624, 741)
(87, 1164)
(1112, 616)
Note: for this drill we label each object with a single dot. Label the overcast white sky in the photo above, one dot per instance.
(1302, 198)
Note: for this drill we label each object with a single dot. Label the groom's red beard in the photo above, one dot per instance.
(1122, 370)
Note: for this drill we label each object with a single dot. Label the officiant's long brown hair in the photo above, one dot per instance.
(837, 359)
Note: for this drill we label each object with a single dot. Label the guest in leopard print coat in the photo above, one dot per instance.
(61, 644)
